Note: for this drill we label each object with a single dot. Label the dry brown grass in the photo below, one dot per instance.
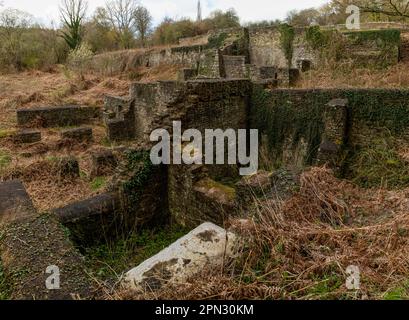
(301, 248)
(347, 75)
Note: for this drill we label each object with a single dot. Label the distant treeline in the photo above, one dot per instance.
(125, 24)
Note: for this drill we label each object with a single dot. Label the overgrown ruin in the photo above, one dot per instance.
(234, 79)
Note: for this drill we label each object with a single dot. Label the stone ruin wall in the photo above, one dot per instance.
(301, 125)
(194, 103)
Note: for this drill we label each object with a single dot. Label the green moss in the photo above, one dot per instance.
(283, 121)
(326, 287)
(5, 159)
(390, 36)
(398, 293)
(211, 184)
(316, 38)
(98, 183)
(111, 259)
(287, 36)
(6, 133)
(140, 165)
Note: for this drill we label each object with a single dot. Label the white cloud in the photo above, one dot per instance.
(248, 10)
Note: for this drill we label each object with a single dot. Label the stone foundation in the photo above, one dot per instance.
(57, 116)
(30, 244)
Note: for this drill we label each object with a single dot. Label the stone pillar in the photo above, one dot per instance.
(334, 136)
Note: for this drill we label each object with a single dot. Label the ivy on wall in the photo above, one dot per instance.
(335, 44)
(379, 117)
(287, 36)
(284, 121)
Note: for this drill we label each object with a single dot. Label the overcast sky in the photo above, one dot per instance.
(248, 10)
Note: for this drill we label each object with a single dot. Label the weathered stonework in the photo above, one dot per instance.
(208, 246)
(187, 74)
(103, 162)
(83, 134)
(68, 167)
(234, 67)
(27, 136)
(119, 118)
(30, 243)
(57, 116)
(335, 132)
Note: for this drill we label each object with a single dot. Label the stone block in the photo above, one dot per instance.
(234, 67)
(30, 243)
(268, 72)
(208, 246)
(27, 136)
(117, 130)
(186, 74)
(15, 203)
(257, 185)
(78, 134)
(103, 162)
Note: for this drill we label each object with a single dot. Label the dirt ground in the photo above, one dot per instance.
(31, 163)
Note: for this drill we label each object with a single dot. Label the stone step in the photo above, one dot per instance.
(57, 116)
(27, 136)
(82, 134)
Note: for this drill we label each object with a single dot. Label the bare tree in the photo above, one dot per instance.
(121, 15)
(143, 23)
(13, 23)
(391, 8)
(72, 15)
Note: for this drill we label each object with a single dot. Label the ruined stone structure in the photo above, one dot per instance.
(228, 83)
(57, 116)
(25, 261)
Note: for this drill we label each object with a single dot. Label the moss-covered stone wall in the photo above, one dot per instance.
(292, 125)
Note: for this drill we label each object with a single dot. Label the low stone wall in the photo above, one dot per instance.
(92, 220)
(234, 67)
(30, 244)
(374, 47)
(57, 116)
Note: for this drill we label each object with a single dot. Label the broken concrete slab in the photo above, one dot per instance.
(27, 136)
(208, 246)
(257, 185)
(57, 116)
(31, 244)
(82, 134)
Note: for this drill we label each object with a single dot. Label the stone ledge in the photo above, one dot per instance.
(57, 116)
